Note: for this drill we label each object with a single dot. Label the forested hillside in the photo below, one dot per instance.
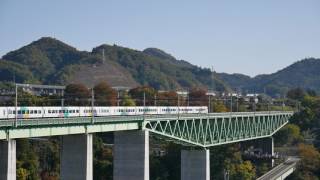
(50, 61)
(304, 74)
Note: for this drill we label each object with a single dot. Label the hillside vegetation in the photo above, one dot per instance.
(304, 74)
(50, 61)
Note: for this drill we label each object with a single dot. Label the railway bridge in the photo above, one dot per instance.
(131, 140)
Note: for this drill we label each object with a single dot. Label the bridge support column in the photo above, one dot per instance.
(195, 164)
(131, 155)
(8, 160)
(76, 157)
(267, 147)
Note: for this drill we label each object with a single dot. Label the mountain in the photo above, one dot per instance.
(304, 74)
(50, 61)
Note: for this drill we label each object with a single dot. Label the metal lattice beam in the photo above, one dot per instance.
(218, 128)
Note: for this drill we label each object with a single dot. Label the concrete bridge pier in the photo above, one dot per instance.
(8, 160)
(131, 155)
(267, 147)
(76, 157)
(195, 164)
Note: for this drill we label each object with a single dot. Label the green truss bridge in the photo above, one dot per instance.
(131, 139)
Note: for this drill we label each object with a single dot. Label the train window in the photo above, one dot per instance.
(77, 111)
(39, 111)
(31, 112)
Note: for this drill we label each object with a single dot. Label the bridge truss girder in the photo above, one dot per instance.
(213, 129)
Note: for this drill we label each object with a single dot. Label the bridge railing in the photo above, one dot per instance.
(87, 120)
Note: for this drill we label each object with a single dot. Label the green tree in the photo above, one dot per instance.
(218, 106)
(22, 174)
(102, 160)
(244, 171)
(288, 135)
(27, 158)
(127, 101)
(296, 94)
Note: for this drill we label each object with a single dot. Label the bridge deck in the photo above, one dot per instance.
(281, 171)
(197, 129)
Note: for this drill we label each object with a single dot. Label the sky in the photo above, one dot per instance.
(248, 36)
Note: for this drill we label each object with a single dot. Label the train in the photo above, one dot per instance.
(30, 112)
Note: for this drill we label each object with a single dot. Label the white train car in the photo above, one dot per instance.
(86, 111)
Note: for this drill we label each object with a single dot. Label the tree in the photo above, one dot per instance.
(244, 171)
(138, 95)
(309, 165)
(102, 159)
(127, 101)
(198, 97)
(296, 94)
(22, 174)
(27, 159)
(168, 98)
(77, 94)
(105, 95)
(288, 135)
(218, 106)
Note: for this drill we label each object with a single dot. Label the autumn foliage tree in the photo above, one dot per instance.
(198, 97)
(309, 165)
(138, 95)
(77, 94)
(105, 95)
(169, 98)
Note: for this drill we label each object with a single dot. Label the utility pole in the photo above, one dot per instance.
(213, 84)
(209, 104)
(144, 98)
(118, 97)
(237, 100)
(178, 106)
(231, 103)
(62, 99)
(92, 105)
(16, 105)
(103, 57)
(155, 100)
(188, 98)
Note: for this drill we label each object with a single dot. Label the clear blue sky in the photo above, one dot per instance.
(247, 36)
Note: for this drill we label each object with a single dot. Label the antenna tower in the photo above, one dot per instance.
(103, 57)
